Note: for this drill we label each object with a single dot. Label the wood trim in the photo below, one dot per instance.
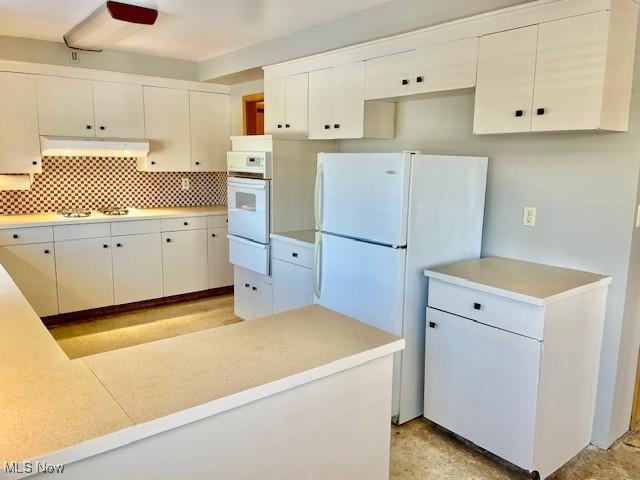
(635, 412)
(84, 315)
(254, 97)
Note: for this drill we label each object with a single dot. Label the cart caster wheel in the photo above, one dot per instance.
(535, 475)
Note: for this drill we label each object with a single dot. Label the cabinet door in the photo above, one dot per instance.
(390, 76)
(119, 110)
(504, 87)
(348, 101)
(65, 107)
(482, 383)
(19, 135)
(220, 270)
(209, 113)
(274, 92)
(292, 286)
(570, 73)
(321, 104)
(166, 117)
(33, 269)
(296, 106)
(137, 267)
(447, 66)
(253, 298)
(85, 274)
(184, 261)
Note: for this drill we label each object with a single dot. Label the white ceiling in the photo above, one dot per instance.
(186, 29)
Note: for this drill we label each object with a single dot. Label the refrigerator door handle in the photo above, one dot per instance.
(317, 265)
(317, 201)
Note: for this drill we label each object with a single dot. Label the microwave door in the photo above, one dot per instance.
(248, 201)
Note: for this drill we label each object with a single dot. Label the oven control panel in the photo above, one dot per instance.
(251, 164)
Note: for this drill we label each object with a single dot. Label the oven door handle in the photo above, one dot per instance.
(261, 186)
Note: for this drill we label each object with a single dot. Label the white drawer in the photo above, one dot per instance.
(217, 221)
(493, 310)
(20, 236)
(76, 232)
(294, 253)
(135, 227)
(184, 223)
(250, 255)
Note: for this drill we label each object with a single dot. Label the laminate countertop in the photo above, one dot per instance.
(57, 410)
(533, 283)
(52, 218)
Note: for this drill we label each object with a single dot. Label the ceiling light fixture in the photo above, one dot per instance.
(109, 24)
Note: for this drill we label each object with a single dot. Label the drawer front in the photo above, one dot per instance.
(217, 221)
(293, 253)
(77, 232)
(185, 223)
(20, 236)
(137, 227)
(500, 312)
(250, 255)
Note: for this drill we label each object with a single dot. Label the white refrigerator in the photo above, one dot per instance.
(381, 219)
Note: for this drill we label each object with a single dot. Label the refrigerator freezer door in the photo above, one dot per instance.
(364, 196)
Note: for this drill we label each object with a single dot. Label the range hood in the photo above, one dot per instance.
(92, 147)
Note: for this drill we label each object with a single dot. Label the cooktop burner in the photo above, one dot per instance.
(75, 213)
(113, 211)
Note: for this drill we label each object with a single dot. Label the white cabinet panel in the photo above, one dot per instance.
(447, 66)
(570, 73)
(65, 107)
(19, 236)
(389, 76)
(210, 120)
(253, 296)
(274, 93)
(296, 106)
(292, 286)
(137, 267)
(220, 270)
(321, 111)
(119, 110)
(348, 101)
(504, 90)
(19, 135)
(481, 380)
(166, 115)
(85, 274)
(184, 261)
(33, 269)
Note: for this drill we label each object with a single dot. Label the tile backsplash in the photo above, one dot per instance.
(94, 182)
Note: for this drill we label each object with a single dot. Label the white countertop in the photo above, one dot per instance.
(52, 218)
(58, 410)
(533, 283)
(305, 238)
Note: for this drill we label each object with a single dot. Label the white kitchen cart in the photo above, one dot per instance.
(512, 357)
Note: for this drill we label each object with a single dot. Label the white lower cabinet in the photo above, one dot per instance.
(33, 269)
(137, 267)
(292, 286)
(220, 270)
(253, 294)
(184, 261)
(84, 273)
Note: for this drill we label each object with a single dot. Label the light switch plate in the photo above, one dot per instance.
(185, 184)
(529, 217)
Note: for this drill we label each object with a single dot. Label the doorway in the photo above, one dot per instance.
(253, 114)
(635, 413)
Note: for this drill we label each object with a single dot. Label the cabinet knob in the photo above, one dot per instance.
(540, 111)
(477, 306)
(255, 289)
(168, 240)
(519, 113)
(294, 254)
(15, 235)
(336, 125)
(186, 224)
(46, 252)
(197, 163)
(286, 125)
(118, 245)
(34, 162)
(279, 125)
(432, 324)
(153, 163)
(102, 127)
(405, 81)
(89, 127)
(105, 246)
(420, 79)
(213, 235)
(327, 127)
(247, 285)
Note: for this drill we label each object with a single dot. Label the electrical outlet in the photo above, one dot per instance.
(185, 184)
(529, 217)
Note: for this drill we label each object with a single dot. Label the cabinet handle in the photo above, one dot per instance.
(294, 254)
(255, 289)
(405, 81)
(336, 125)
(89, 127)
(168, 240)
(540, 111)
(153, 163)
(420, 79)
(519, 113)
(279, 125)
(15, 235)
(213, 235)
(197, 163)
(102, 127)
(327, 127)
(118, 245)
(247, 285)
(34, 162)
(477, 306)
(432, 324)
(105, 246)
(286, 125)
(186, 224)
(46, 252)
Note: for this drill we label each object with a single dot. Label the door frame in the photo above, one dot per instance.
(635, 412)
(254, 97)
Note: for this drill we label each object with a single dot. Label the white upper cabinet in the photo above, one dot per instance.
(504, 90)
(390, 76)
(210, 130)
(118, 110)
(166, 114)
(19, 141)
(321, 90)
(448, 66)
(65, 107)
(286, 104)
